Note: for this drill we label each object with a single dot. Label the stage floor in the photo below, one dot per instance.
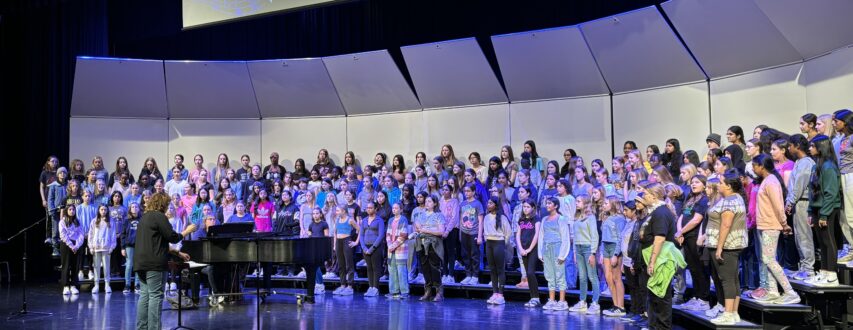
(118, 311)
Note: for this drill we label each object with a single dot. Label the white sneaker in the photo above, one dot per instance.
(300, 275)
(828, 280)
(95, 288)
(549, 305)
(66, 291)
(846, 258)
(688, 305)
(560, 306)
(700, 305)
(173, 286)
(255, 273)
(490, 283)
(107, 288)
(593, 308)
(499, 300)
(579, 307)
(714, 312)
(787, 298)
(802, 275)
(74, 290)
(419, 279)
(329, 276)
(319, 289)
(769, 297)
(724, 319)
(338, 290)
(91, 275)
(361, 263)
(814, 280)
(80, 276)
(534, 302)
(347, 292)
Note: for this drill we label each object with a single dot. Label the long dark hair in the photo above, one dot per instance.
(532, 203)
(692, 156)
(499, 213)
(534, 155)
(732, 179)
(766, 162)
(71, 219)
(738, 131)
(826, 153)
(493, 175)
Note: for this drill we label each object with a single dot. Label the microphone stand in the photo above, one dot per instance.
(24, 312)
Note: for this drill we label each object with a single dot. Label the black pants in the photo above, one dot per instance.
(375, 266)
(693, 254)
(632, 288)
(430, 263)
(346, 267)
(726, 277)
(530, 261)
(495, 252)
(470, 255)
(70, 264)
(660, 308)
(267, 267)
(451, 246)
(311, 278)
(826, 239)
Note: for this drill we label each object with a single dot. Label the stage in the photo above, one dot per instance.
(118, 311)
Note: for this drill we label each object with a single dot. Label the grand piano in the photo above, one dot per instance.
(228, 247)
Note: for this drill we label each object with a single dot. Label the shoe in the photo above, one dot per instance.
(522, 284)
(699, 305)
(419, 279)
(677, 299)
(300, 275)
(561, 306)
(404, 296)
(828, 279)
(724, 319)
(80, 276)
(337, 291)
(55, 252)
(769, 297)
(126, 290)
(787, 298)
(499, 300)
(803, 275)
(638, 318)
(492, 298)
(427, 296)
(465, 281)
(347, 292)
(66, 291)
(758, 293)
(383, 278)
(548, 305)
(91, 275)
(593, 309)
(439, 297)
(95, 288)
(736, 316)
(474, 281)
(369, 292)
(533, 303)
(687, 305)
(173, 286)
(361, 263)
(392, 296)
(74, 290)
(714, 312)
(627, 317)
(319, 289)
(458, 266)
(814, 280)
(490, 283)
(107, 288)
(614, 312)
(846, 258)
(580, 307)
(329, 276)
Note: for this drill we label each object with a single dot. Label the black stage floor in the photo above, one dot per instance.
(118, 311)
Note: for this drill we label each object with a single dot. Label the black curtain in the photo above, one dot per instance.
(40, 39)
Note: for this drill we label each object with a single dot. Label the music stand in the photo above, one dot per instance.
(24, 312)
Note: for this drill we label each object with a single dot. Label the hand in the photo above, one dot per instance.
(352, 244)
(810, 221)
(700, 241)
(43, 203)
(184, 256)
(719, 255)
(524, 253)
(787, 230)
(479, 241)
(189, 229)
(821, 222)
(632, 269)
(123, 253)
(651, 269)
(592, 260)
(614, 260)
(680, 240)
(541, 259)
(788, 209)
(560, 261)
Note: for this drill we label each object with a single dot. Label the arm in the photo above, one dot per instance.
(725, 227)
(593, 235)
(379, 237)
(778, 203)
(694, 222)
(480, 228)
(51, 195)
(830, 188)
(658, 244)
(534, 244)
(357, 233)
(41, 192)
(506, 229)
(540, 240)
(361, 241)
(798, 188)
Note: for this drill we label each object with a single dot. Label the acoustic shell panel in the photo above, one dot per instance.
(452, 73)
(135, 139)
(210, 90)
(391, 133)
(638, 50)
(746, 41)
(210, 137)
(479, 128)
(117, 87)
(370, 83)
(548, 64)
(812, 27)
(294, 88)
(295, 138)
(829, 80)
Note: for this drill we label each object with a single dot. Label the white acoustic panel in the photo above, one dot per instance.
(393, 133)
(812, 27)
(582, 124)
(653, 116)
(295, 138)
(638, 50)
(210, 90)
(769, 97)
(136, 139)
(547, 64)
(481, 128)
(117, 87)
(829, 82)
(452, 73)
(213, 136)
(747, 40)
(294, 88)
(370, 83)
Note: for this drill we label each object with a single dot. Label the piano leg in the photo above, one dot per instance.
(310, 281)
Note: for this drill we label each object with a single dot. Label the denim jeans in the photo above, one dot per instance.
(555, 274)
(128, 267)
(586, 273)
(150, 303)
(398, 275)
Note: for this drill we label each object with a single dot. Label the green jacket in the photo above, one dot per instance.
(826, 195)
(667, 263)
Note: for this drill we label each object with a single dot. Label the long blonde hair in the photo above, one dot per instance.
(712, 187)
(586, 210)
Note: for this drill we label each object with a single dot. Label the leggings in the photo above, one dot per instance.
(346, 268)
(451, 246)
(375, 264)
(769, 242)
(495, 252)
(693, 254)
(470, 255)
(826, 239)
(725, 275)
(529, 262)
(70, 264)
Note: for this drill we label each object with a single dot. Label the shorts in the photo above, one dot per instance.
(609, 249)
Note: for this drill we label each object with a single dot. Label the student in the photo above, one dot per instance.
(634, 261)
(179, 164)
(630, 189)
(128, 242)
(177, 222)
(76, 171)
(660, 228)
(714, 141)
(433, 188)
(391, 189)
(548, 190)
(477, 165)
(150, 170)
(71, 236)
(344, 227)
(825, 204)
(101, 194)
(796, 201)
(203, 183)
(222, 186)
(350, 160)
(430, 249)
(395, 239)
(367, 193)
(471, 226)
(227, 207)
(175, 185)
(582, 187)
(420, 179)
(585, 243)
(553, 248)
(508, 163)
(299, 170)
(526, 238)
(121, 168)
(372, 242)
(449, 157)
(631, 282)
(458, 171)
(635, 161)
(134, 194)
(497, 231)
(102, 241)
(735, 137)
(438, 169)
(449, 206)
(305, 212)
(617, 173)
(122, 184)
(285, 222)
(523, 180)
(240, 214)
(611, 229)
(57, 193)
(319, 228)
(398, 167)
(86, 213)
(262, 212)
(325, 189)
(690, 218)
(672, 157)
(198, 160)
(842, 143)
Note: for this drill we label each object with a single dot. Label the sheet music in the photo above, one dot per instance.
(193, 264)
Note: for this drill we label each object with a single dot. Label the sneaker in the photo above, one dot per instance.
(419, 279)
(369, 292)
(687, 305)
(548, 305)
(580, 307)
(814, 280)
(55, 252)
(91, 275)
(300, 275)
(74, 290)
(404, 296)
(474, 281)
(724, 319)
(700, 305)
(769, 297)
(329, 276)
(126, 290)
(499, 300)
(80, 276)
(392, 296)
(802, 275)
(736, 316)
(173, 286)
(458, 266)
(361, 263)
(107, 288)
(614, 312)
(606, 292)
(383, 278)
(533, 303)
(828, 280)
(593, 308)
(627, 317)
(319, 289)
(337, 290)
(95, 288)
(490, 283)
(758, 293)
(66, 291)
(787, 298)
(714, 312)
(560, 306)
(846, 258)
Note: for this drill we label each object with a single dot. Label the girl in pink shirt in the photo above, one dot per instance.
(262, 212)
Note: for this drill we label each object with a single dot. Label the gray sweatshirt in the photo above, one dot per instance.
(798, 183)
(585, 233)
